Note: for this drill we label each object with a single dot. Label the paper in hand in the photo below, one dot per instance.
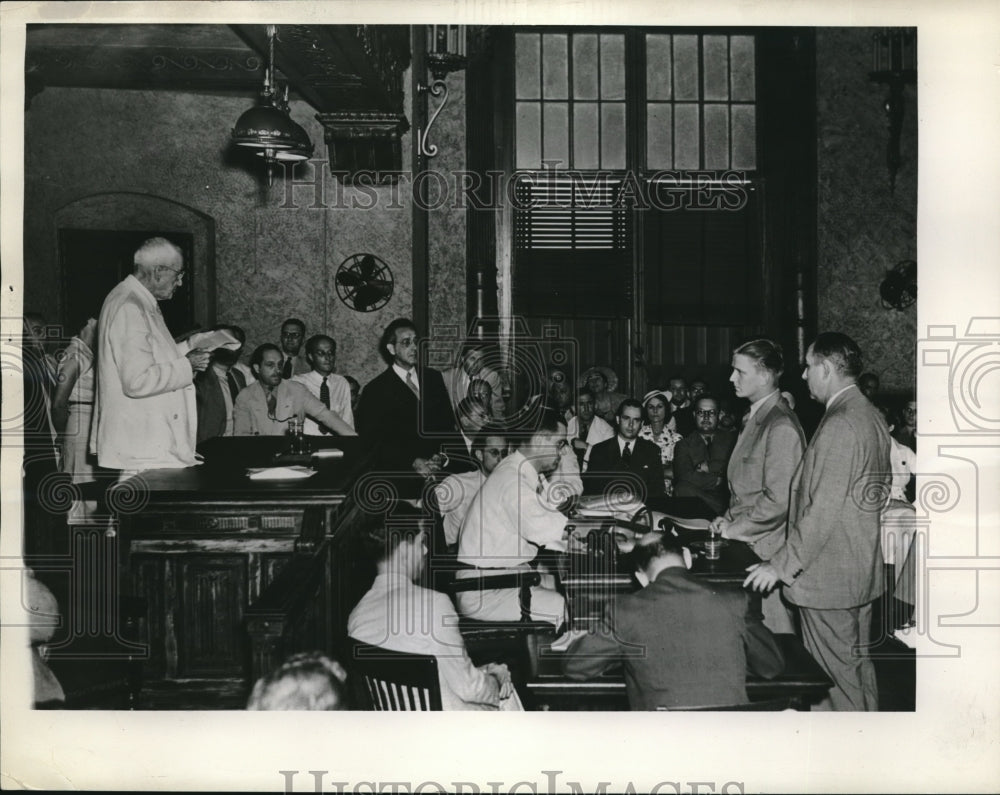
(210, 340)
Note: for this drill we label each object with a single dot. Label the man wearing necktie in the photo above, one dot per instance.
(293, 331)
(404, 415)
(700, 458)
(626, 461)
(331, 389)
(216, 389)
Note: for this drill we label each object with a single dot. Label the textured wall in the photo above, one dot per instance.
(863, 230)
(276, 252)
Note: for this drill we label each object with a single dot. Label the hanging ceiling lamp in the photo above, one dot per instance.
(268, 128)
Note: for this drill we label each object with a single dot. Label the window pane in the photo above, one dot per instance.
(687, 150)
(585, 135)
(717, 136)
(659, 135)
(554, 66)
(658, 66)
(613, 67)
(744, 137)
(585, 66)
(555, 145)
(743, 70)
(613, 135)
(686, 67)
(716, 58)
(528, 56)
(529, 135)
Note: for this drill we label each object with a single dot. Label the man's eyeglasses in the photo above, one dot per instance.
(496, 452)
(706, 413)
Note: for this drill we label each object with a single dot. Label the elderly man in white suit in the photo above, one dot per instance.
(144, 410)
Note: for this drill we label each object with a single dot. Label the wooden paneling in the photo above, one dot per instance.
(213, 592)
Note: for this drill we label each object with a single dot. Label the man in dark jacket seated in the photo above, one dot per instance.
(625, 462)
(701, 457)
(683, 642)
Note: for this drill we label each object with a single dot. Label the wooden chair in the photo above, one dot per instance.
(392, 681)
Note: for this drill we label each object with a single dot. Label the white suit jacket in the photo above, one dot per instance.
(144, 409)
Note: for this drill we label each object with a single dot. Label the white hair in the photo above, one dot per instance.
(153, 252)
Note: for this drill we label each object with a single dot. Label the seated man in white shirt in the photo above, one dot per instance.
(509, 520)
(399, 615)
(586, 429)
(455, 493)
(332, 390)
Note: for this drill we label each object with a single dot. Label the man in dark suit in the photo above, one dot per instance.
(831, 559)
(700, 458)
(216, 388)
(404, 415)
(626, 454)
(684, 642)
(680, 406)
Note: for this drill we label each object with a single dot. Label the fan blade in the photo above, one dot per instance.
(366, 296)
(368, 267)
(349, 279)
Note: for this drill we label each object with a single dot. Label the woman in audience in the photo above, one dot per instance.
(655, 430)
(72, 408)
(603, 382)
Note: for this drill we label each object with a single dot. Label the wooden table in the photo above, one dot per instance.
(238, 573)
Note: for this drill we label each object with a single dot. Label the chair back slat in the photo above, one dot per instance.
(394, 681)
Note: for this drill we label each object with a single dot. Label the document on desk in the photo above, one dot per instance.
(601, 506)
(280, 473)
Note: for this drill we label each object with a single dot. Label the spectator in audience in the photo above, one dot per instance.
(698, 388)
(265, 407)
(869, 385)
(472, 416)
(482, 393)
(701, 457)
(627, 454)
(560, 399)
(906, 430)
(682, 420)
(455, 493)
(355, 391)
(323, 383)
(658, 430)
(72, 409)
(509, 521)
(458, 379)
(293, 332)
(405, 415)
(763, 463)
(400, 615)
(603, 382)
(684, 642)
(305, 681)
(830, 559)
(216, 389)
(727, 416)
(586, 429)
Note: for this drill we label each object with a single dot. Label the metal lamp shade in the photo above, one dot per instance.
(267, 127)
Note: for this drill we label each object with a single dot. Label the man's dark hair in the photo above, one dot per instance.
(706, 396)
(294, 321)
(389, 335)
(548, 421)
(382, 533)
(468, 347)
(258, 355)
(585, 390)
(677, 377)
(626, 403)
(869, 378)
(484, 433)
(316, 339)
(653, 547)
(765, 353)
(841, 351)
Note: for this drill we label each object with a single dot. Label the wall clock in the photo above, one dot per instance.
(364, 282)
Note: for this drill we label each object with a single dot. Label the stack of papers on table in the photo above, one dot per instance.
(600, 506)
(280, 473)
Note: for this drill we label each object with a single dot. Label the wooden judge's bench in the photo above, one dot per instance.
(236, 574)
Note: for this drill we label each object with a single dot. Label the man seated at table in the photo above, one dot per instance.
(684, 642)
(399, 615)
(322, 382)
(701, 457)
(455, 493)
(265, 407)
(510, 519)
(625, 461)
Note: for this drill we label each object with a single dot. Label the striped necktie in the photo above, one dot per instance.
(412, 384)
(324, 393)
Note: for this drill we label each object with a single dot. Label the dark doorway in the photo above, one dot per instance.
(93, 261)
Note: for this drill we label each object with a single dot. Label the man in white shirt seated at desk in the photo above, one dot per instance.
(330, 389)
(511, 517)
(399, 615)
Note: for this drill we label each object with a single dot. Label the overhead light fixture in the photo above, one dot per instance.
(445, 53)
(268, 128)
(894, 63)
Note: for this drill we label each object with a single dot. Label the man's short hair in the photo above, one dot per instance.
(468, 347)
(585, 390)
(626, 403)
(306, 681)
(153, 252)
(382, 533)
(294, 321)
(706, 396)
(258, 355)
(677, 377)
(316, 339)
(479, 440)
(653, 546)
(389, 335)
(841, 351)
(766, 355)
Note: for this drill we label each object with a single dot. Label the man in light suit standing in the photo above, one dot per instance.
(761, 466)
(831, 561)
(144, 408)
